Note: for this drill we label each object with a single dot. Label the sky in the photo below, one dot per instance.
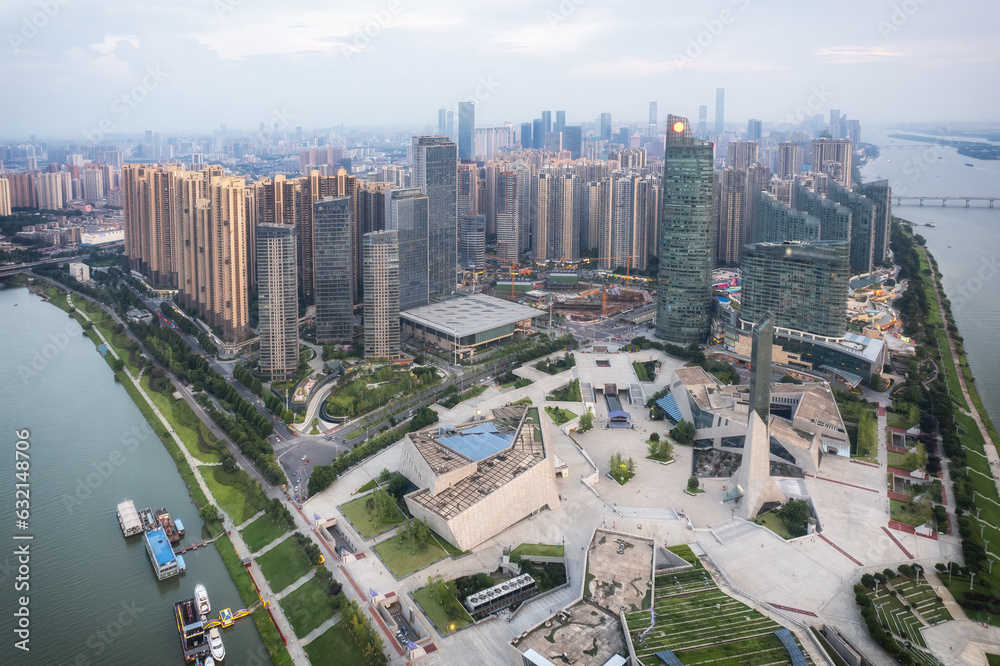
(89, 68)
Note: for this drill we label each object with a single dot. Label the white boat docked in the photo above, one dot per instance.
(215, 641)
(201, 598)
(208, 662)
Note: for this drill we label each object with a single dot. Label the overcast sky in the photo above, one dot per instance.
(188, 65)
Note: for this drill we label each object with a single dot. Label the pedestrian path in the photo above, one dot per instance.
(296, 585)
(271, 545)
(320, 630)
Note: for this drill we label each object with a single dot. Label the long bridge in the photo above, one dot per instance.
(944, 200)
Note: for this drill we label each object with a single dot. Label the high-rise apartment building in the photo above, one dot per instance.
(508, 215)
(554, 236)
(468, 189)
(381, 278)
(333, 267)
(472, 242)
(775, 222)
(804, 285)
(863, 212)
(4, 196)
(834, 157)
(731, 204)
(684, 289)
(789, 160)
(93, 185)
(834, 219)
(278, 300)
(23, 190)
(880, 194)
(435, 172)
(741, 154)
(720, 111)
(407, 213)
(466, 131)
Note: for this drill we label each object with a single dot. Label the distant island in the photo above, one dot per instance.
(975, 150)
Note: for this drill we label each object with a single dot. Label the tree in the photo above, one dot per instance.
(693, 483)
(683, 432)
(868, 581)
(586, 421)
(916, 458)
(654, 437)
(423, 417)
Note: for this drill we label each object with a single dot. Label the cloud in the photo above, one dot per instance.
(854, 55)
(111, 42)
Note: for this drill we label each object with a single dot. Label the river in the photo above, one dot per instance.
(965, 242)
(93, 597)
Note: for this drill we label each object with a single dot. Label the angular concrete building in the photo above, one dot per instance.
(477, 479)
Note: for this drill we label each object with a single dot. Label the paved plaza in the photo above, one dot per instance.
(589, 637)
(619, 570)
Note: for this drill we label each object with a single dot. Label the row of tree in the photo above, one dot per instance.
(271, 401)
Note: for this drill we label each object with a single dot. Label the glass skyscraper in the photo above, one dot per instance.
(466, 131)
(333, 270)
(684, 283)
(406, 214)
(804, 285)
(435, 172)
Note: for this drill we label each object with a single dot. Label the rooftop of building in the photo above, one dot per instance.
(160, 546)
(469, 315)
(449, 448)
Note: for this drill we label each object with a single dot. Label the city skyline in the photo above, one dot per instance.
(130, 67)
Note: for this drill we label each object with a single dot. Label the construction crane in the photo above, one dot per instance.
(628, 267)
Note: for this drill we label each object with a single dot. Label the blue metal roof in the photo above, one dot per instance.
(160, 546)
(787, 640)
(669, 658)
(478, 445)
(489, 426)
(669, 404)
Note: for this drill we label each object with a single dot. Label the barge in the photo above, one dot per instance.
(128, 519)
(191, 629)
(165, 562)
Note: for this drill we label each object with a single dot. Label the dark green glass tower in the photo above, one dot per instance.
(684, 309)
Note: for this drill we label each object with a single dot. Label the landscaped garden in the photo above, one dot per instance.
(235, 492)
(660, 449)
(442, 608)
(267, 527)
(621, 469)
(193, 433)
(354, 395)
(403, 554)
(374, 513)
(568, 393)
(538, 550)
(554, 367)
(560, 415)
(309, 606)
(645, 372)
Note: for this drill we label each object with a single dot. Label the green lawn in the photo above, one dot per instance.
(950, 373)
(540, 550)
(684, 552)
(402, 557)
(308, 607)
(261, 532)
(284, 564)
(560, 415)
(366, 522)
(923, 597)
(992, 660)
(439, 616)
(365, 488)
(521, 382)
(771, 521)
(900, 511)
(58, 298)
(905, 421)
(898, 460)
(183, 421)
(335, 647)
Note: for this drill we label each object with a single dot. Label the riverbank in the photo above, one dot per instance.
(198, 490)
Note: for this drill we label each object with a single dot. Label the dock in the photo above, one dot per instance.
(195, 546)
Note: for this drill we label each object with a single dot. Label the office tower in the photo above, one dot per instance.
(546, 121)
(407, 213)
(508, 216)
(554, 236)
(652, 114)
(572, 140)
(803, 284)
(472, 242)
(834, 157)
(702, 121)
(468, 189)
(741, 154)
(754, 129)
(526, 141)
(553, 142)
(560, 121)
(333, 266)
(435, 171)
(605, 125)
(93, 185)
(537, 134)
(685, 296)
(789, 160)
(879, 193)
(443, 122)
(720, 106)
(852, 132)
(835, 131)
(451, 126)
(308, 190)
(466, 131)
(731, 204)
(863, 213)
(4, 197)
(381, 278)
(278, 300)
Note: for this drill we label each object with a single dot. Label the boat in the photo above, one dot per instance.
(128, 519)
(201, 596)
(191, 630)
(160, 553)
(967, 164)
(208, 662)
(168, 525)
(148, 519)
(215, 642)
(949, 246)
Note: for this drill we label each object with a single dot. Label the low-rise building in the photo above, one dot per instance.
(462, 325)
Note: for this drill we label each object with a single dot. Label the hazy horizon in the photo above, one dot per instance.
(187, 67)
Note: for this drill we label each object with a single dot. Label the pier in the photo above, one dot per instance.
(195, 546)
(944, 200)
